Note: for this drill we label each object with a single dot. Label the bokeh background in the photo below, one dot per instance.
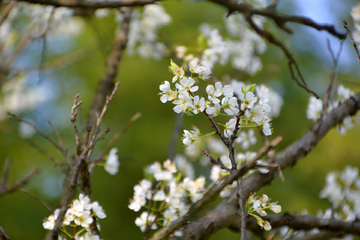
(148, 138)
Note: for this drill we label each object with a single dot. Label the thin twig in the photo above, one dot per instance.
(352, 39)
(280, 19)
(291, 61)
(44, 45)
(216, 162)
(37, 130)
(73, 115)
(93, 4)
(37, 198)
(100, 117)
(335, 59)
(42, 151)
(19, 184)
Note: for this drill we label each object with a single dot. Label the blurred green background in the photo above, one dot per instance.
(148, 139)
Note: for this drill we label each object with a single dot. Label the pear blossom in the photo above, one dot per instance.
(112, 163)
(344, 93)
(215, 173)
(170, 215)
(87, 236)
(214, 92)
(349, 175)
(69, 217)
(84, 219)
(170, 166)
(178, 233)
(186, 84)
(98, 210)
(143, 32)
(275, 100)
(227, 190)
(246, 139)
(248, 100)
(259, 112)
(190, 137)
(198, 104)
(81, 205)
(214, 110)
(314, 108)
(230, 105)
(193, 64)
(355, 12)
(228, 91)
(159, 196)
(184, 166)
(167, 94)
(144, 220)
(259, 205)
(49, 223)
(230, 127)
(180, 51)
(275, 208)
(347, 123)
(204, 72)
(267, 129)
(136, 203)
(263, 170)
(183, 103)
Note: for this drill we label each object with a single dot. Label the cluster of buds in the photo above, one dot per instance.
(244, 107)
(79, 215)
(166, 200)
(257, 207)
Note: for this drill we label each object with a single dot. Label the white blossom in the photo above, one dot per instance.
(84, 219)
(246, 139)
(167, 94)
(144, 220)
(248, 100)
(98, 210)
(112, 163)
(314, 108)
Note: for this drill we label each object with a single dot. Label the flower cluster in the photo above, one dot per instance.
(79, 214)
(315, 108)
(343, 191)
(244, 104)
(355, 14)
(258, 205)
(241, 49)
(143, 33)
(170, 197)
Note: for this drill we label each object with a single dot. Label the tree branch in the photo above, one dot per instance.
(92, 4)
(303, 222)
(280, 19)
(19, 184)
(220, 216)
(352, 39)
